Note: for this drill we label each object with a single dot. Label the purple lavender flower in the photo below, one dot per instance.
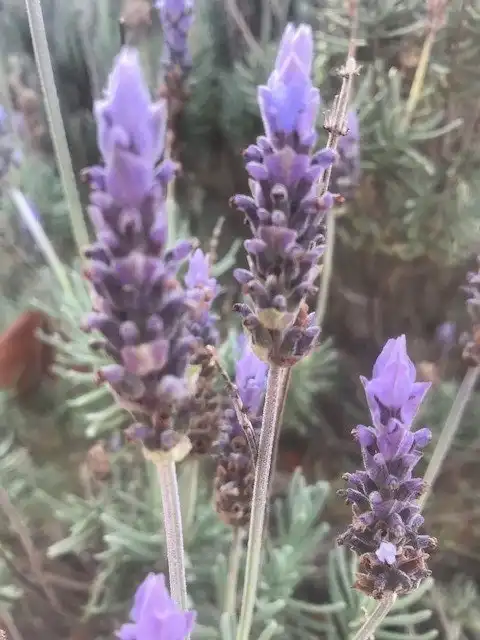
(204, 411)
(155, 616)
(138, 303)
(176, 17)
(131, 133)
(250, 379)
(284, 212)
(346, 170)
(202, 290)
(386, 515)
(235, 469)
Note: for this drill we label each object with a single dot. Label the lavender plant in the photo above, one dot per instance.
(176, 18)
(233, 484)
(156, 346)
(384, 496)
(139, 306)
(284, 214)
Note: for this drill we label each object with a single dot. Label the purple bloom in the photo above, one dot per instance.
(392, 393)
(284, 213)
(289, 102)
(386, 514)
(202, 290)
(155, 616)
(235, 469)
(203, 413)
(176, 17)
(139, 306)
(250, 379)
(131, 132)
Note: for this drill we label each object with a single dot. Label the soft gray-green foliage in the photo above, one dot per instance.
(458, 607)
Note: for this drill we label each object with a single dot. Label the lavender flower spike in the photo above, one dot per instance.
(202, 290)
(384, 495)
(155, 616)
(176, 17)
(139, 306)
(235, 469)
(284, 213)
(203, 412)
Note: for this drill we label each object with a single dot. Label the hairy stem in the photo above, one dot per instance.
(230, 604)
(55, 121)
(327, 269)
(190, 492)
(271, 416)
(449, 430)
(335, 123)
(375, 619)
(283, 394)
(172, 521)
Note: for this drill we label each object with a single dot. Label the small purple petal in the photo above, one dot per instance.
(154, 614)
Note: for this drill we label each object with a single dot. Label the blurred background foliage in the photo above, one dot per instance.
(80, 520)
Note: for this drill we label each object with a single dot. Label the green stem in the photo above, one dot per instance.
(419, 79)
(190, 492)
(327, 266)
(271, 416)
(336, 124)
(377, 616)
(230, 604)
(41, 239)
(55, 121)
(283, 393)
(449, 431)
(172, 522)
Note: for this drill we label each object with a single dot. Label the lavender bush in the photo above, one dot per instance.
(190, 505)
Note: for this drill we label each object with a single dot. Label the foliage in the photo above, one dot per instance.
(415, 213)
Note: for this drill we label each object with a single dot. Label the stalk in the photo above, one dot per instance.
(375, 619)
(449, 431)
(55, 121)
(284, 394)
(41, 239)
(270, 423)
(335, 123)
(235, 557)
(190, 492)
(419, 78)
(172, 520)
